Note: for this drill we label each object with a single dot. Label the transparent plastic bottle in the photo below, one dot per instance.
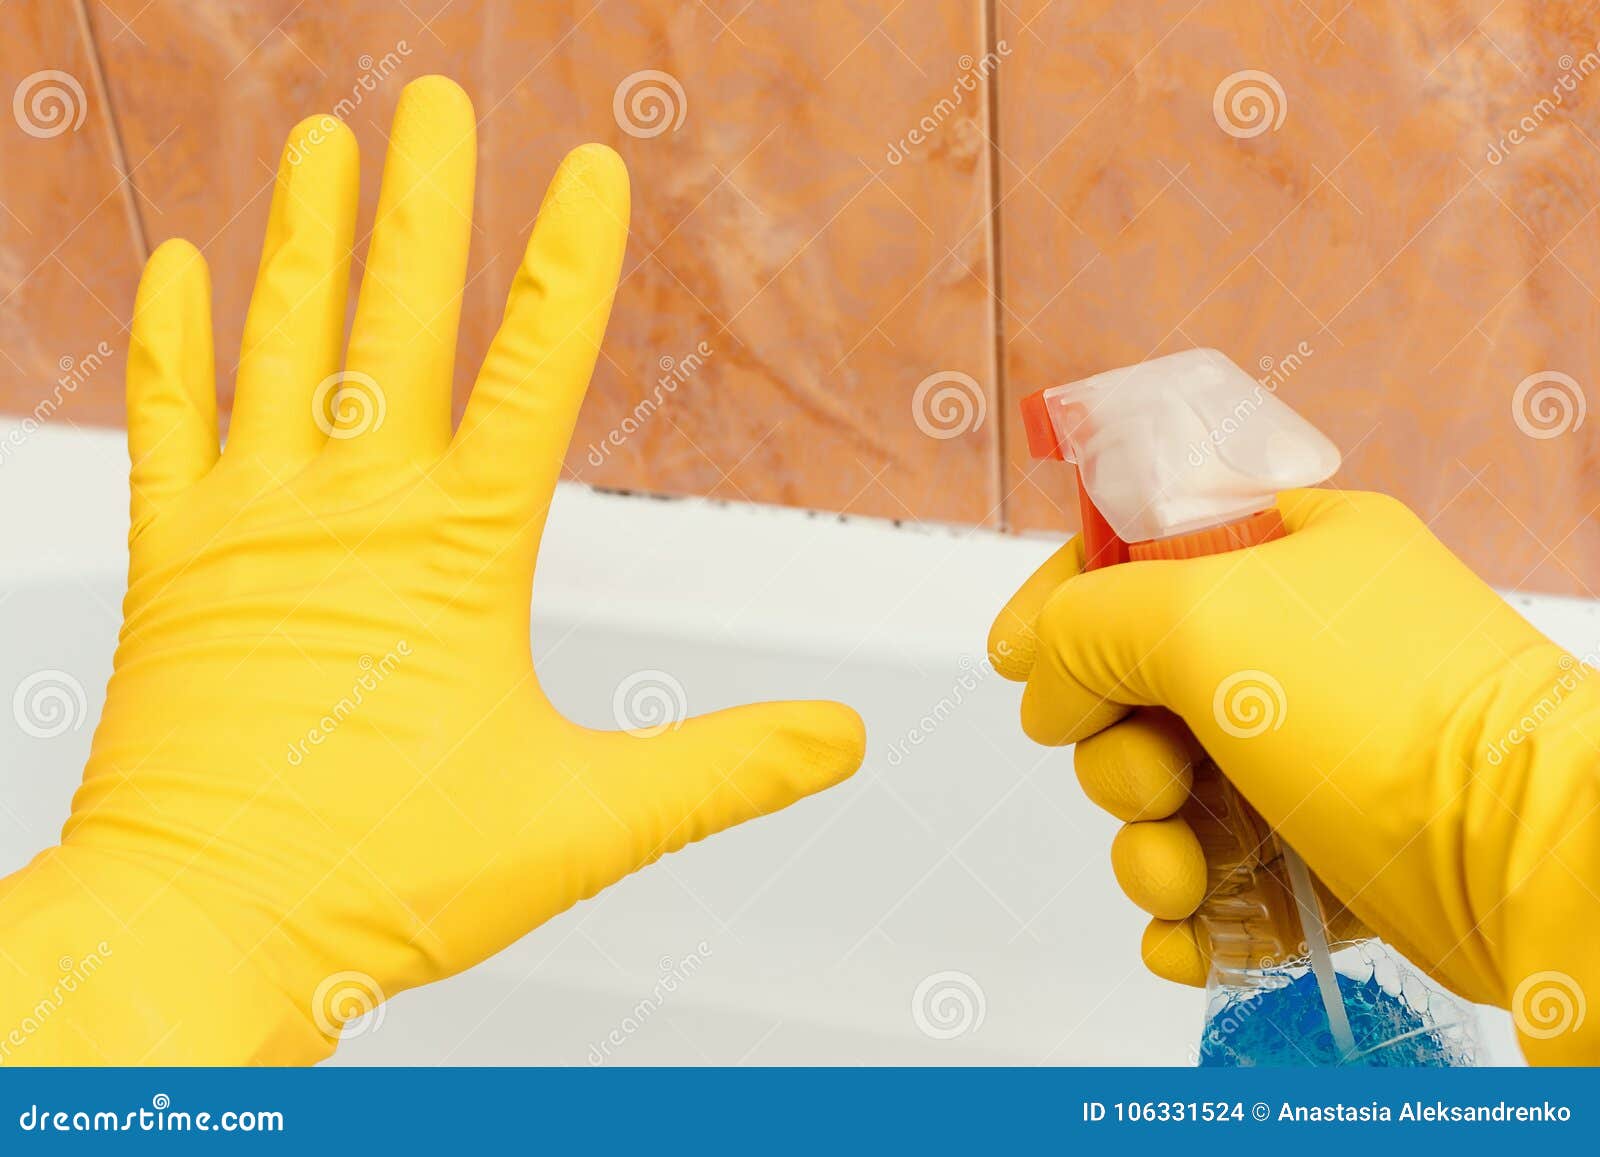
(1183, 456)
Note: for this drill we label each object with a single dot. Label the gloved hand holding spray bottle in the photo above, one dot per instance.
(1180, 457)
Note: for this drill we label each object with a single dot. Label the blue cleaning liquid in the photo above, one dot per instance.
(1287, 1027)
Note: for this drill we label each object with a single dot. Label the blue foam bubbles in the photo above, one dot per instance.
(1285, 1026)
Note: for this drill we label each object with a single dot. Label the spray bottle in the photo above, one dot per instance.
(1184, 456)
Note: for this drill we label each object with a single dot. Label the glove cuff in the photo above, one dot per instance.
(104, 962)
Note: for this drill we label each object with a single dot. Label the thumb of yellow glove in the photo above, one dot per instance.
(1431, 755)
(325, 772)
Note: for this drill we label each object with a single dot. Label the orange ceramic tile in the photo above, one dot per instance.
(805, 316)
(69, 245)
(1387, 210)
(206, 93)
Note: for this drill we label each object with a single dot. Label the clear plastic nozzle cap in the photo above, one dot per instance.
(1183, 443)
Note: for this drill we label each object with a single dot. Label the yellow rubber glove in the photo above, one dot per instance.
(1433, 757)
(325, 772)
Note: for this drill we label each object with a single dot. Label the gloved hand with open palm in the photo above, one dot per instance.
(324, 758)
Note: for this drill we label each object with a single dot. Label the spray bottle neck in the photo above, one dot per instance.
(1102, 547)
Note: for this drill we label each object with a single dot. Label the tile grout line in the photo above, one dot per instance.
(997, 330)
(119, 156)
(491, 271)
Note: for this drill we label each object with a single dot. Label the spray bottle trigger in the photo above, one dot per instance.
(1101, 546)
(1041, 431)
